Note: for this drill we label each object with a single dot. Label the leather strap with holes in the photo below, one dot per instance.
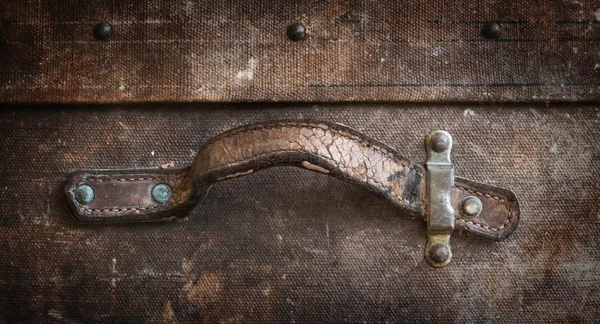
(335, 150)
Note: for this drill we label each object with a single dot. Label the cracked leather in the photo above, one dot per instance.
(336, 150)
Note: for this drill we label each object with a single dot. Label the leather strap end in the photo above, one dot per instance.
(499, 215)
(126, 196)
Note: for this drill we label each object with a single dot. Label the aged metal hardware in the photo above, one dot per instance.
(491, 30)
(440, 214)
(162, 193)
(296, 32)
(102, 30)
(432, 192)
(471, 206)
(84, 194)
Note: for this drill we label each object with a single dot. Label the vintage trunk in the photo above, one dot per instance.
(345, 240)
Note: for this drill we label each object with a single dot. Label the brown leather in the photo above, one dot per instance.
(331, 149)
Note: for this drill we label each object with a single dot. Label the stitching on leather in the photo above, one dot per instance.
(120, 179)
(491, 228)
(367, 145)
(382, 185)
(116, 209)
(324, 128)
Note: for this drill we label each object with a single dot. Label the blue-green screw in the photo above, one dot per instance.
(84, 194)
(162, 193)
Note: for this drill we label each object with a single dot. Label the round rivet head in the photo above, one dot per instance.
(296, 32)
(439, 253)
(162, 193)
(102, 31)
(439, 142)
(84, 194)
(490, 30)
(471, 206)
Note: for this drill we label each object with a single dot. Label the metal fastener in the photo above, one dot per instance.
(84, 194)
(439, 142)
(471, 206)
(439, 253)
(296, 32)
(102, 30)
(491, 30)
(162, 193)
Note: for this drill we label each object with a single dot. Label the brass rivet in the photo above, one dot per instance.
(84, 194)
(439, 142)
(471, 206)
(162, 193)
(439, 253)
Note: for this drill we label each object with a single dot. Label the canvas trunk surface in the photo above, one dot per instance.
(287, 244)
(291, 245)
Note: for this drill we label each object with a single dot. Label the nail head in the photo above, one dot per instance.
(162, 193)
(491, 30)
(296, 32)
(439, 142)
(439, 253)
(471, 206)
(84, 194)
(102, 30)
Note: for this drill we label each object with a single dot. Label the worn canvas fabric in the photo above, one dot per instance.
(286, 244)
(356, 50)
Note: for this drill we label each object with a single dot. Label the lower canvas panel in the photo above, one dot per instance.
(287, 244)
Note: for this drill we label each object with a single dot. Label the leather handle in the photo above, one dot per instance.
(336, 150)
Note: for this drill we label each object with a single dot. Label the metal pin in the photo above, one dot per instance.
(296, 32)
(162, 193)
(471, 206)
(439, 253)
(491, 30)
(439, 142)
(102, 30)
(84, 194)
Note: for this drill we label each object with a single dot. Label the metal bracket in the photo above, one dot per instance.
(440, 214)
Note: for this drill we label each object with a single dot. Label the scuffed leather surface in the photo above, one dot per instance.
(339, 150)
(323, 147)
(288, 245)
(353, 157)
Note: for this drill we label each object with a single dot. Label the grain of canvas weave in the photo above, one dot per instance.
(371, 50)
(291, 245)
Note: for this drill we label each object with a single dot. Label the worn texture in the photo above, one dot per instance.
(290, 245)
(367, 50)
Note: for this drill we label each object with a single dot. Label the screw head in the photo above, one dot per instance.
(162, 193)
(491, 30)
(296, 32)
(471, 206)
(439, 142)
(102, 30)
(84, 194)
(439, 253)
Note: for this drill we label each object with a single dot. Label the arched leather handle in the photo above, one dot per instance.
(336, 150)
